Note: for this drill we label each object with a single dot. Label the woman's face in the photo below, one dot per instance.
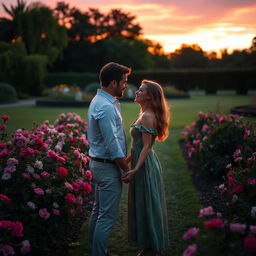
(141, 95)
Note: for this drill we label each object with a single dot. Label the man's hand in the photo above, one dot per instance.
(128, 176)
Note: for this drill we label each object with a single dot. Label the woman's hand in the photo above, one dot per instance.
(128, 176)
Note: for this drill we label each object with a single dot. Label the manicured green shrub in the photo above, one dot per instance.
(75, 79)
(7, 93)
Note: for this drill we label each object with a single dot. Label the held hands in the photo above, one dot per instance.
(128, 176)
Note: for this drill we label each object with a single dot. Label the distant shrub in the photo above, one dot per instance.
(91, 89)
(7, 93)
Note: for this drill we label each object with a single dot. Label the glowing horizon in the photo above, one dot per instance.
(212, 24)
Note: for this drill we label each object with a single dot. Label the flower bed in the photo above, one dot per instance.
(224, 148)
(44, 180)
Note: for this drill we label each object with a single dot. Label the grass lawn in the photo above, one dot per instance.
(181, 197)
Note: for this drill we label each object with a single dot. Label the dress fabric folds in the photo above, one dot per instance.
(147, 218)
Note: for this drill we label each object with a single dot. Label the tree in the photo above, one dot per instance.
(41, 33)
(189, 56)
(121, 24)
(8, 26)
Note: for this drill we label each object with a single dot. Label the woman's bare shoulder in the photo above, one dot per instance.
(148, 119)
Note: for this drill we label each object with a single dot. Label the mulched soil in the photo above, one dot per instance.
(205, 184)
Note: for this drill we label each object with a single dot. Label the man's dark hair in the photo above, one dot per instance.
(112, 71)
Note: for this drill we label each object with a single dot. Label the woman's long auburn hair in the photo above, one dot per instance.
(160, 107)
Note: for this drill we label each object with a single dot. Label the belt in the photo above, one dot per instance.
(102, 160)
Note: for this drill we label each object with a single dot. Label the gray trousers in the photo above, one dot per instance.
(108, 189)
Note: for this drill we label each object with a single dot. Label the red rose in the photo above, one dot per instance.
(62, 172)
(250, 244)
(214, 223)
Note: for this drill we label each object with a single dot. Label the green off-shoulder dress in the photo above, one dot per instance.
(147, 218)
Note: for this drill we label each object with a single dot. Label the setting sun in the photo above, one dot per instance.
(213, 25)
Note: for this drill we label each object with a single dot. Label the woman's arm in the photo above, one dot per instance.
(146, 120)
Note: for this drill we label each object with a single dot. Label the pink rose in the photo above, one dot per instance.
(214, 223)
(69, 186)
(3, 127)
(17, 229)
(36, 176)
(76, 186)
(70, 198)
(56, 212)
(5, 117)
(38, 191)
(192, 232)
(237, 227)
(250, 244)
(45, 174)
(26, 175)
(222, 119)
(253, 229)
(86, 187)
(5, 198)
(251, 181)
(246, 134)
(208, 211)
(190, 251)
(88, 174)
(43, 213)
(191, 150)
(6, 249)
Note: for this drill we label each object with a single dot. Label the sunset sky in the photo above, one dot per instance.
(213, 24)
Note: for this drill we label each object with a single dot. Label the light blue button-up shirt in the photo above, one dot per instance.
(106, 135)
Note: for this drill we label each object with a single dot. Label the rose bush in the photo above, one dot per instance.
(44, 180)
(217, 236)
(212, 139)
(239, 187)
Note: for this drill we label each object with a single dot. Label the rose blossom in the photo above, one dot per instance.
(62, 172)
(192, 232)
(237, 227)
(43, 213)
(36, 176)
(45, 174)
(17, 229)
(38, 164)
(214, 223)
(25, 247)
(6, 176)
(208, 211)
(191, 250)
(250, 244)
(253, 229)
(222, 119)
(3, 127)
(251, 181)
(48, 191)
(5, 117)
(12, 161)
(38, 191)
(6, 249)
(10, 169)
(26, 175)
(55, 205)
(30, 169)
(86, 187)
(5, 198)
(237, 189)
(236, 153)
(31, 205)
(88, 174)
(70, 198)
(56, 212)
(76, 186)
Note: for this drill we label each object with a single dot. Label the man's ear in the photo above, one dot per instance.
(113, 83)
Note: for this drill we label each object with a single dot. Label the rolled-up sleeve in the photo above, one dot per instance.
(109, 130)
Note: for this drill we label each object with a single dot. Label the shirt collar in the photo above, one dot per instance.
(107, 95)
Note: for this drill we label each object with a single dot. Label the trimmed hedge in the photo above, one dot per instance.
(75, 79)
(209, 80)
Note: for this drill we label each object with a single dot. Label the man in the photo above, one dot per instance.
(108, 152)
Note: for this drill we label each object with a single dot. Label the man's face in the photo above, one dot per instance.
(121, 87)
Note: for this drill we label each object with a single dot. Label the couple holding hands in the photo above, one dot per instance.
(111, 165)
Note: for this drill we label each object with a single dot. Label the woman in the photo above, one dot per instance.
(147, 220)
